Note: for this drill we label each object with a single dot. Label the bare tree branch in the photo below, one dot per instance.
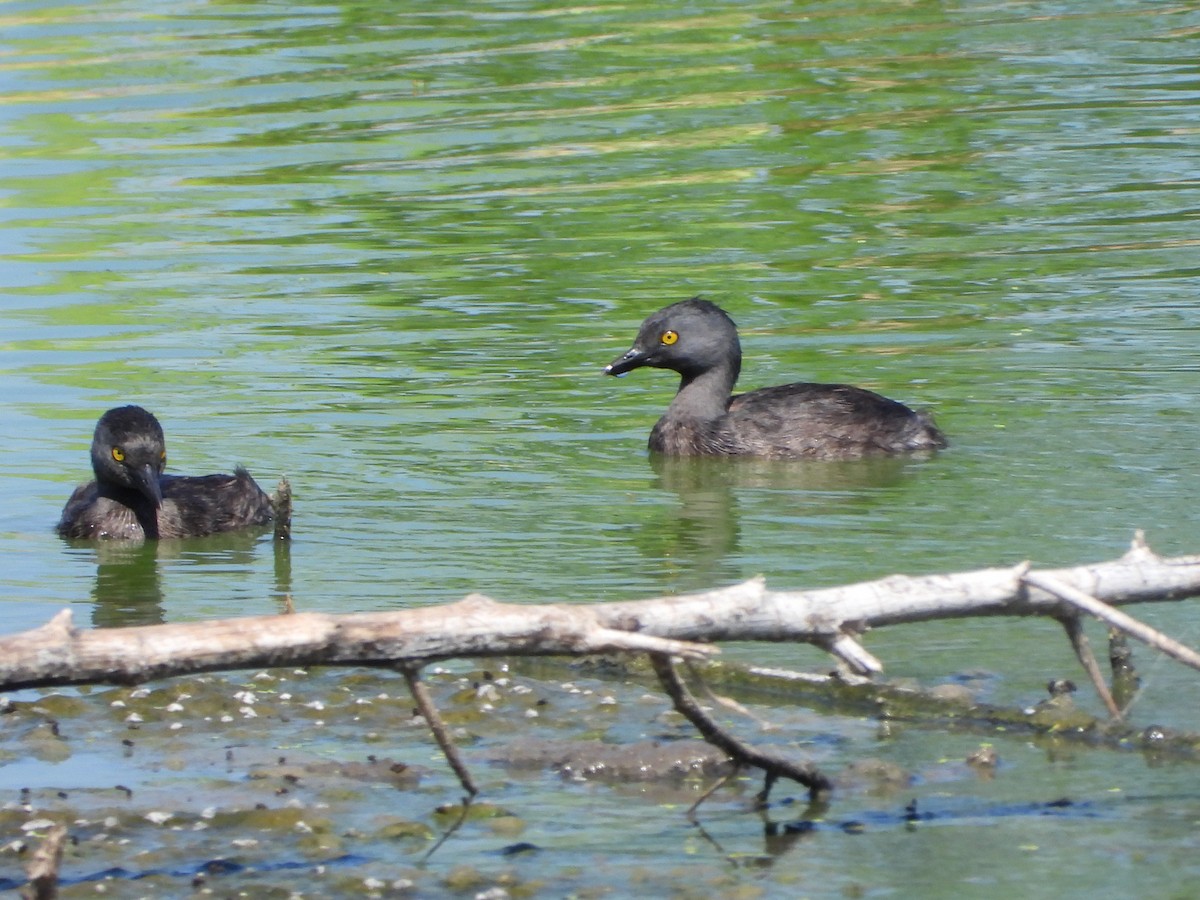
(1114, 617)
(58, 653)
(742, 754)
(1087, 659)
(428, 709)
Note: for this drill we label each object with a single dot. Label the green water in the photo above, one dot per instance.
(387, 250)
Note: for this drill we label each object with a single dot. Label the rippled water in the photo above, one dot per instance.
(387, 251)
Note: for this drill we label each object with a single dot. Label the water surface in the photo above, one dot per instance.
(387, 251)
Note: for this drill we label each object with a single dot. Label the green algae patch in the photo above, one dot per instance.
(319, 845)
(474, 812)
(466, 878)
(59, 706)
(874, 776)
(44, 742)
(279, 819)
(1060, 714)
(404, 830)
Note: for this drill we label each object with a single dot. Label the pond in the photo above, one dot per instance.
(387, 251)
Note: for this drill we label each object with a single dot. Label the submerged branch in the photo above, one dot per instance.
(428, 709)
(773, 765)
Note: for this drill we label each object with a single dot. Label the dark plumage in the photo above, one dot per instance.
(131, 498)
(818, 421)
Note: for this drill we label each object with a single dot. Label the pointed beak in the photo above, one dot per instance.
(626, 362)
(145, 478)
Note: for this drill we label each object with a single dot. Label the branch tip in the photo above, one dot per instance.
(1139, 549)
(854, 654)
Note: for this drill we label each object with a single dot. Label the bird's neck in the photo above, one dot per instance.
(704, 396)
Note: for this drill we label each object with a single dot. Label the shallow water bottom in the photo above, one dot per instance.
(325, 783)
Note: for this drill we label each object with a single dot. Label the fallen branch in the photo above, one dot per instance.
(58, 653)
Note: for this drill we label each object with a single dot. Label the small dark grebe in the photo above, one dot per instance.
(817, 421)
(132, 499)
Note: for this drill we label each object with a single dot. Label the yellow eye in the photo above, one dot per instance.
(118, 454)
(669, 337)
(163, 457)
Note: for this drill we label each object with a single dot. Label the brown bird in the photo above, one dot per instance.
(698, 340)
(131, 498)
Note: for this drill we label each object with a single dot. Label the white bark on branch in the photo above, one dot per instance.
(57, 653)
(44, 865)
(1114, 617)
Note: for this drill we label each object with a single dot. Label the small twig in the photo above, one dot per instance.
(714, 843)
(425, 705)
(462, 817)
(727, 702)
(1083, 651)
(1139, 549)
(854, 655)
(607, 640)
(712, 789)
(741, 753)
(1114, 617)
(43, 867)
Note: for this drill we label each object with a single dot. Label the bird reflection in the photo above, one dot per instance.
(700, 536)
(128, 587)
(129, 574)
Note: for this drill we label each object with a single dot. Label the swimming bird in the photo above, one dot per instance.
(132, 498)
(699, 340)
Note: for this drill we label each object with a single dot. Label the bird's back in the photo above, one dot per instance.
(198, 505)
(830, 421)
(193, 506)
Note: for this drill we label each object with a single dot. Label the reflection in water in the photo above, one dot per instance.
(703, 530)
(283, 571)
(779, 839)
(683, 474)
(128, 584)
(129, 589)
